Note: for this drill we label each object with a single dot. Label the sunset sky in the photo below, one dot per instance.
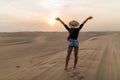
(34, 15)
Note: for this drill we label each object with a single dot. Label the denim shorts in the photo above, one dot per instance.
(73, 42)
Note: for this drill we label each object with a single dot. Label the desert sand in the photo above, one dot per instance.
(41, 56)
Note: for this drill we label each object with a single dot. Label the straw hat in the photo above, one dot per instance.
(74, 24)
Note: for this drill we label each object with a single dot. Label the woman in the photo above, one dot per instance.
(72, 38)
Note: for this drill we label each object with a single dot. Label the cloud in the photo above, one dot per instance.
(29, 11)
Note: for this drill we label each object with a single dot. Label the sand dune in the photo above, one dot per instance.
(41, 56)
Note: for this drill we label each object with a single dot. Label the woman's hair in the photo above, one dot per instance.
(68, 38)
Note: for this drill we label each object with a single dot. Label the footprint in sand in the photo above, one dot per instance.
(80, 78)
(75, 74)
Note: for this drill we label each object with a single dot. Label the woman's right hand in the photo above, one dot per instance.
(90, 17)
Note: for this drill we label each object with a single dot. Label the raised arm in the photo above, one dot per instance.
(85, 22)
(58, 19)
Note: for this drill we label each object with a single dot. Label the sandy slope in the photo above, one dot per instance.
(99, 56)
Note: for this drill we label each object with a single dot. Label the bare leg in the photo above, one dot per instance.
(76, 56)
(68, 56)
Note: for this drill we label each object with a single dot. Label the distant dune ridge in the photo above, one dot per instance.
(41, 56)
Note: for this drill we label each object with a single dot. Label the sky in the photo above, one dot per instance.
(34, 15)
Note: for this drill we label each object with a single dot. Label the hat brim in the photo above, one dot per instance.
(73, 24)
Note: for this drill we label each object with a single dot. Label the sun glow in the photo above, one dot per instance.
(52, 21)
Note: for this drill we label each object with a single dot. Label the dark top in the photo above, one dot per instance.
(73, 31)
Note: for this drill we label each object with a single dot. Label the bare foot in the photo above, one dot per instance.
(65, 69)
(74, 67)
